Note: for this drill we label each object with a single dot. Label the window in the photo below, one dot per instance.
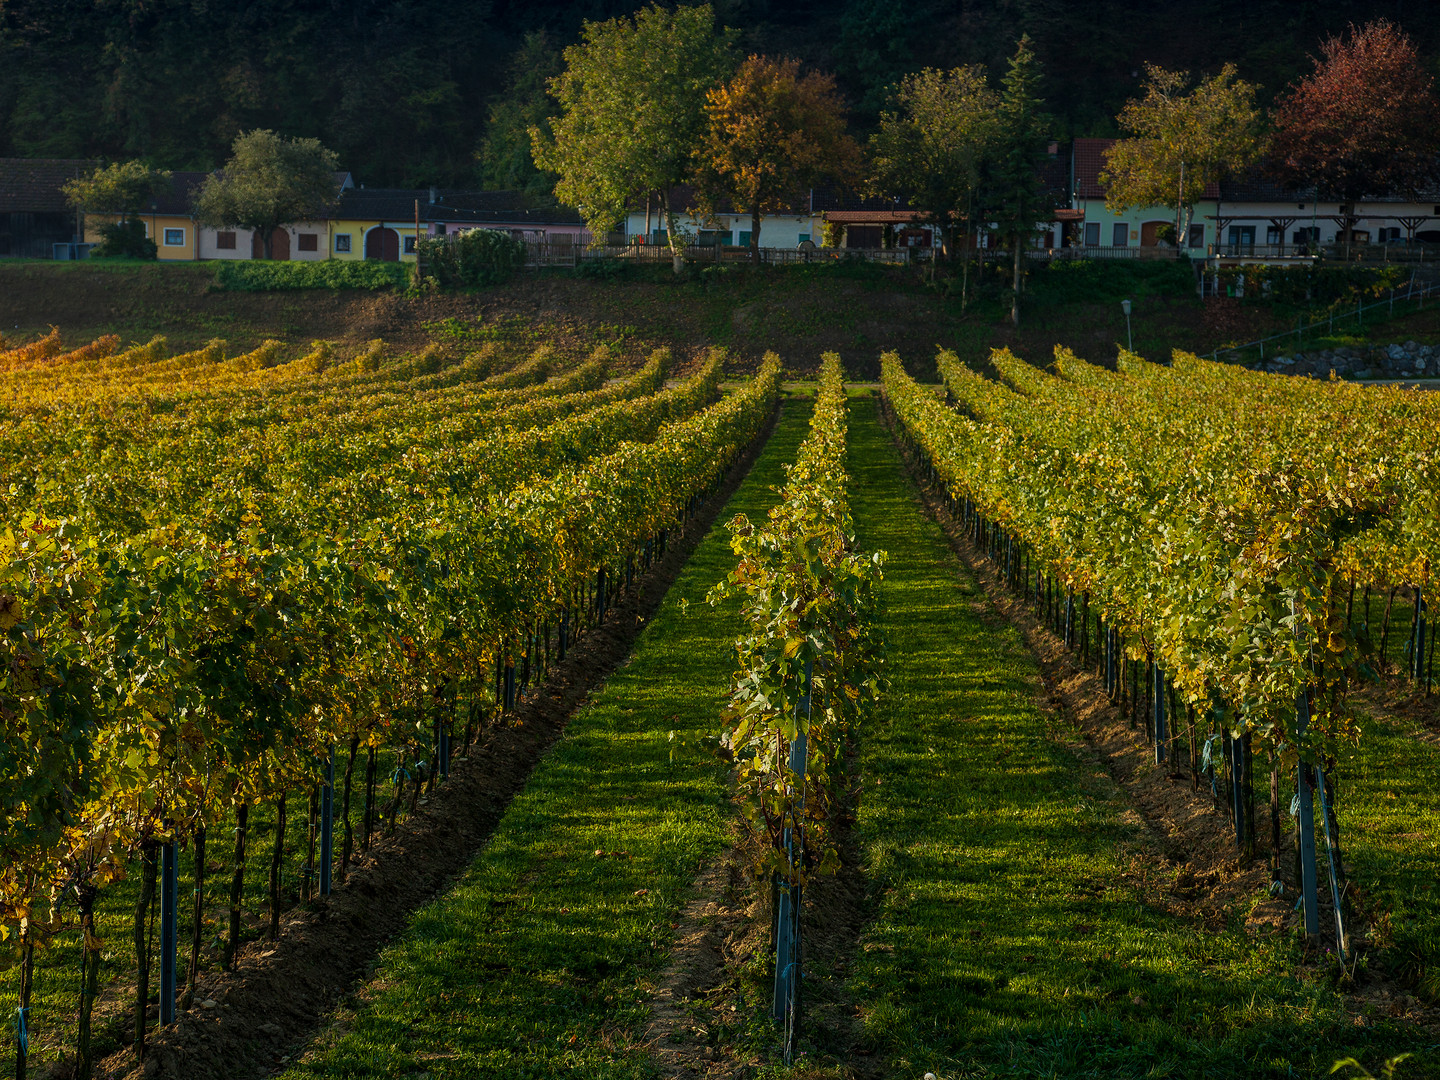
(1242, 235)
(342, 242)
(174, 237)
(1305, 236)
(1121, 234)
(1197, 236)
(225, 241)
(1273, 235)
(439, 228)
(409, 245)
(309, 241)
(1092, 234)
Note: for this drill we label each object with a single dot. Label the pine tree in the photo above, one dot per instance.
(1017, 199)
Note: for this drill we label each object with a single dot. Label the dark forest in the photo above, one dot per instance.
(429, 92)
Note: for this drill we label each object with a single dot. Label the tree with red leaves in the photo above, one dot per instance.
(1363, 124)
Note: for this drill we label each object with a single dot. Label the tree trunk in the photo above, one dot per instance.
(677, 256)
(267, 243)
(1019, 263)
(237, 883)
(142, 951)
(755, 234)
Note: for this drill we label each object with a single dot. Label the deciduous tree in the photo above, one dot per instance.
(932, 145)
(632, 101)
(268, 181)
(121, 189)
(774, 133)
(1363, 123)
(1183, 137)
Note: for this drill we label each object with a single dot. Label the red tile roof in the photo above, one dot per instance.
(1090, 162)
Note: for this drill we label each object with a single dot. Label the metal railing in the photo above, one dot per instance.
(1411, 297)
(539, 256)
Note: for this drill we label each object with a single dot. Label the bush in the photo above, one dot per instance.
(1313, 285)
(472, 257)
(124, 240)
(265, 276)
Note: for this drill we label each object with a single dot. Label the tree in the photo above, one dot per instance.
(121, 189)
(504, 156)
(931, 147)
(773, 135)
(632, 100)
(1362, 124)
(268, 181)
(1017, 200)
(1184, 138)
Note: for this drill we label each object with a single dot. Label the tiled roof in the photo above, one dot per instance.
(32, 185)
(451, 205)
(1090, 162)
(1259, 185)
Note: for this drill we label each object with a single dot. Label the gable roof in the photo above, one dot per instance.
(32, 185)
(450, 205)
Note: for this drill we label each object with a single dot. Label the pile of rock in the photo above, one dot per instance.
(1407, 361)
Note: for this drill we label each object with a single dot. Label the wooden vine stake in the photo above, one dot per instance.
(786, 1006)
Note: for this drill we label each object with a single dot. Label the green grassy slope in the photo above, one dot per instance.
(1017, 932)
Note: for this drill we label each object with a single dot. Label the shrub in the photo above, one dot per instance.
(1316, 284)
(264, 276)
(472, 257)
(124, 240)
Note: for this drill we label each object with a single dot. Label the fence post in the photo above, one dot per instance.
(1309, 885)
(787, 938)
(1160, 733)
(169, 917)
(327, 823)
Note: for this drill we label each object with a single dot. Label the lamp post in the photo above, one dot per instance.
(1129, 338)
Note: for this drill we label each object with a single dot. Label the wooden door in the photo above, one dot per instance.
(382, 244)
(279, 245)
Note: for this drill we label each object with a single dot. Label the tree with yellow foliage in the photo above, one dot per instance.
(1182, 139)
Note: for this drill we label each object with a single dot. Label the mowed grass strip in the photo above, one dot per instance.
(1017, 930)
(538, 962)
(1390, 838)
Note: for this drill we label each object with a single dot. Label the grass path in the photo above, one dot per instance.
(1017, 930)
(538, 962)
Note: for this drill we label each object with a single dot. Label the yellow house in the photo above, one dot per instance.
(167, 219)
(379, 223)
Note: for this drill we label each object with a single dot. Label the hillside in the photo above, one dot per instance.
(858, 311)
(407, 93)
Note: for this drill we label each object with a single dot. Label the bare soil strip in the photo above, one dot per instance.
(245, 1021)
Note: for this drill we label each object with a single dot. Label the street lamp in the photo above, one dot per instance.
(1129, 339)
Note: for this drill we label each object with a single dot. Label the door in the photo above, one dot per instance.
(383, 244)
(279, 245)
(1150, 233)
